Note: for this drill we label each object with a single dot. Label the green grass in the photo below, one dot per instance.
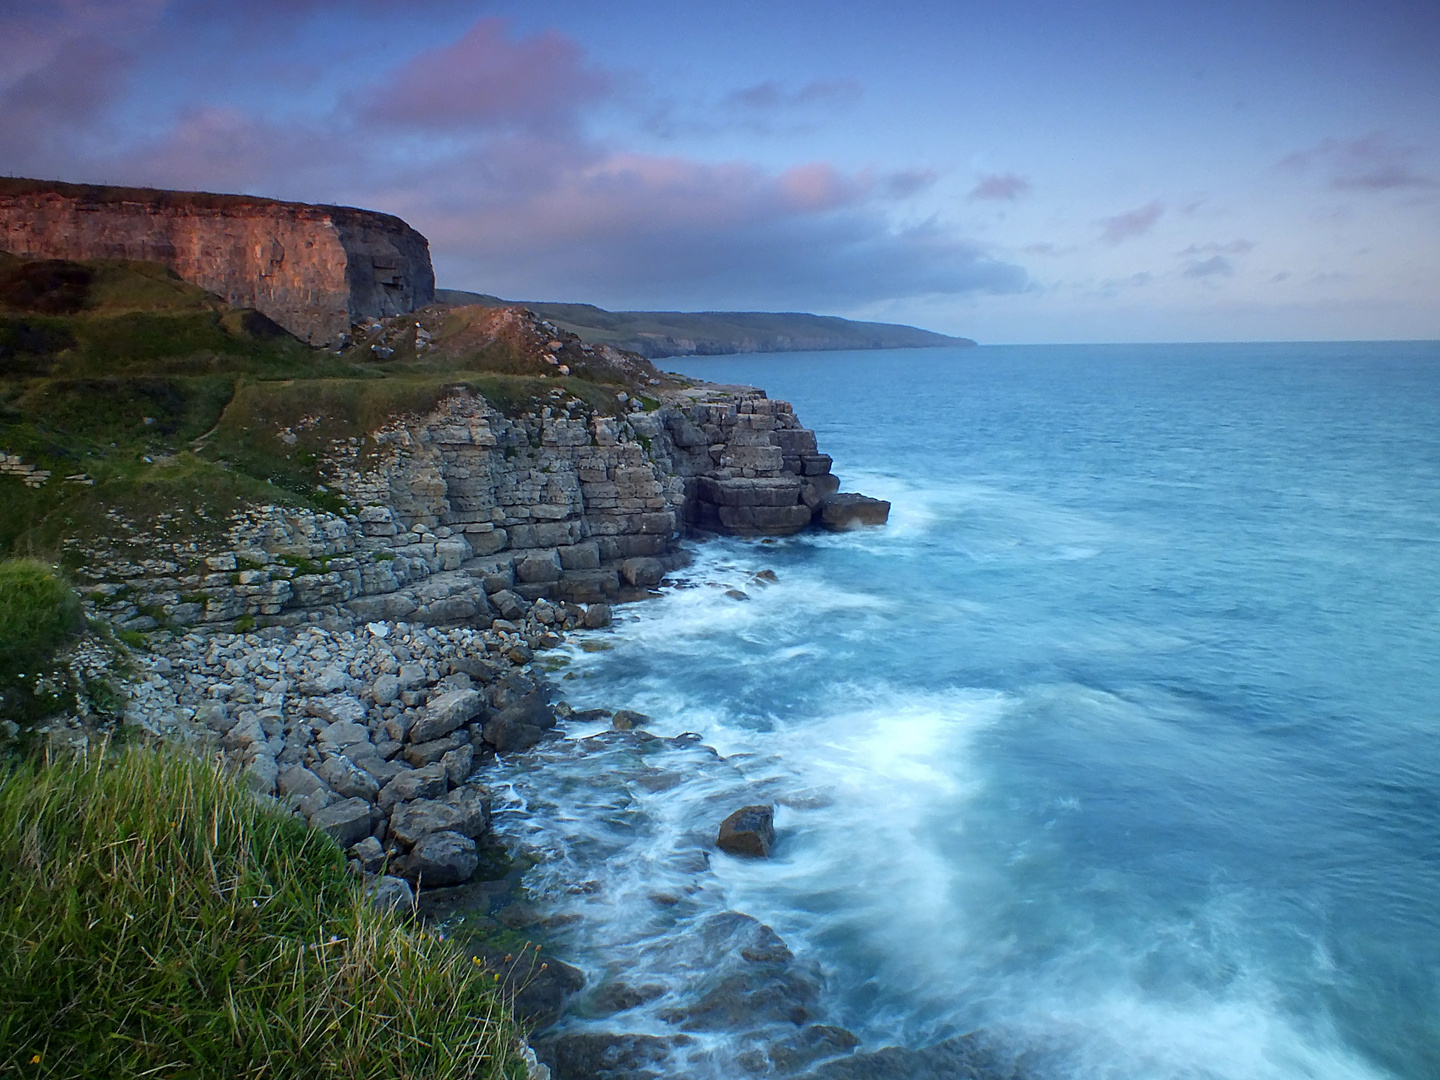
(38, 613)
(158, 920)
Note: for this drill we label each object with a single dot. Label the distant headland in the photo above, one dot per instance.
(655, 334)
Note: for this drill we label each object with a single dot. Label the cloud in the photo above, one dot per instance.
(482, 145)
(1215, 266)
(1001, 186)
(771, 95)
(1369, 163)
(487, 80)
(765, 108)
(1132, 223)
(1234, 247)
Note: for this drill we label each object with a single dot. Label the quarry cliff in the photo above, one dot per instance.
(314, 270)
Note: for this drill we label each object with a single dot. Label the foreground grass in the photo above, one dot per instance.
(157, 920)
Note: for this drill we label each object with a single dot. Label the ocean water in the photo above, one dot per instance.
(1121, 742)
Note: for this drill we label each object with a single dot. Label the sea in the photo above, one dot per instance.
(1119, 744)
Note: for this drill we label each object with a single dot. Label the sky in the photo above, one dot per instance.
(1012, 172)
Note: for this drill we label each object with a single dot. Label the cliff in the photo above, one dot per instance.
(656, 334)
(315, 270)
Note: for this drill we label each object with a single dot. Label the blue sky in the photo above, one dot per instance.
(1013, 172)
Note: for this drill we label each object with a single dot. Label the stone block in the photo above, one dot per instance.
(446, 713)
(584, 556)
(346, 822)
(538, 567)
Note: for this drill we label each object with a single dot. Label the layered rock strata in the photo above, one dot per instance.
(465, 515)
(315, 270)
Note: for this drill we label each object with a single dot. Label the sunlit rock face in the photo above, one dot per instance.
(315, 270)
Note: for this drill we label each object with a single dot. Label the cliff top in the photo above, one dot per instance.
(103, 194)
(158, 398)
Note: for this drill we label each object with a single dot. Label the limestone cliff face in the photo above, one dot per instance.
(315, 270)
(465, 514)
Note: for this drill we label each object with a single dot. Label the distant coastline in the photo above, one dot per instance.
(656, 334)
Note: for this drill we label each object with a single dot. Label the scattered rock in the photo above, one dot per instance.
(749, 831)
(627, 719)
(446, 713)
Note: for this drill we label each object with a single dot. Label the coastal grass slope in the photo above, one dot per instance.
(123, 389)
(657, 334)
(157, 919)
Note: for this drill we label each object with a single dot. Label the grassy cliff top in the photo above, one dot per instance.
(709, 333)
(125, 390)
(105, 194)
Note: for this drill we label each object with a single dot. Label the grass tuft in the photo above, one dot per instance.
(157, 919)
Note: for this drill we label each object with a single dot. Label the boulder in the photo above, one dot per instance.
(346, 822)
(428, 782)
(445, 713)
(298, 781)
(393, 894)
(427, 753)
(458, 764)
(597, 616)
(369, 854)
(346, 778)
(846, 510)
(328, 680)
(336, 737)
(337, 709)
(442, 858)
(509, 605)
(385, 690)
(627, 719)
(410, 822)
(521, 725)
(749, 831)
(590, 1054)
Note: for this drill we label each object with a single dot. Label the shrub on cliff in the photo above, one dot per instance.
(38, 614)
(156, 919)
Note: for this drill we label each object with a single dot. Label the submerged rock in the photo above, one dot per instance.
(749, 831)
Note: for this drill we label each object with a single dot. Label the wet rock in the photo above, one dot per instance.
(473, 805)
(749, 831)
(346, 822)
(627, 719)
(446, 713)
(442, 858)
(603, 1056)
(751, 978)
(521, 725)
(617, 997)
(539, 985)
(809, 1045)
(961, 1058)
(411, 822)
(597, 616)
(845, 510)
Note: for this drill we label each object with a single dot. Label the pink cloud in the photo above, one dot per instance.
(1132, 223)
(487, 80)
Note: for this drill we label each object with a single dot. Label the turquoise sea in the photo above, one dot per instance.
(1121, 741)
